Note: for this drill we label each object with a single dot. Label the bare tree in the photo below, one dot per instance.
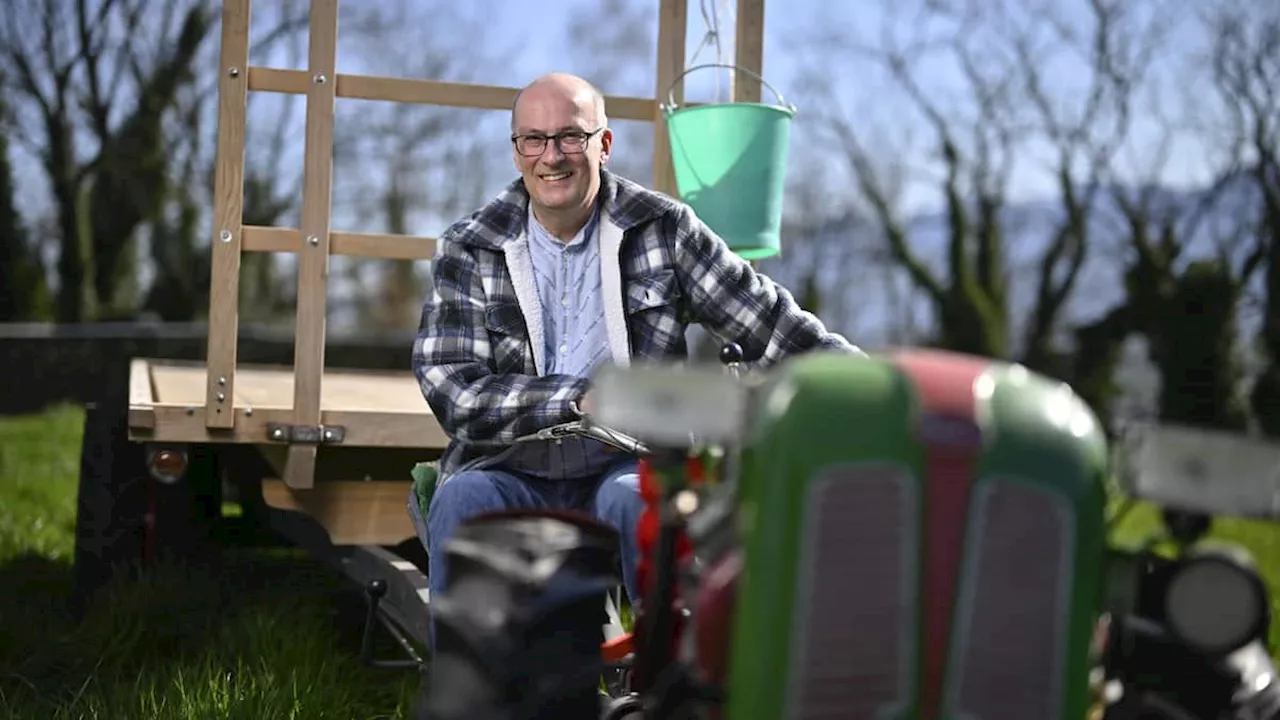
(407, 169)
(24, 294)
(1000, 51)
(1245, 61)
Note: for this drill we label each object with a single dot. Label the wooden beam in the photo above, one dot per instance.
(163, 422)
(142, 393)
(228, 211)
(673, 22)
(352, 512)
(259, 238)
(428, 92)
(313, 260)
(748, 50)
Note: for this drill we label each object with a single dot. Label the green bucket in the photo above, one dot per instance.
(730, 164)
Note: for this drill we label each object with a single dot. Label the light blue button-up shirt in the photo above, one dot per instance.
(568, 279)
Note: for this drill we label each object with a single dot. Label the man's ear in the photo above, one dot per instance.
(606, 145)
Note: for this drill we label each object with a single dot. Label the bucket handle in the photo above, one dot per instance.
(671, 91)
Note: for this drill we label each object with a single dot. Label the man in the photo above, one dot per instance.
(569, 267)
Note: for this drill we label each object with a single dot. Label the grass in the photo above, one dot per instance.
(271, 634)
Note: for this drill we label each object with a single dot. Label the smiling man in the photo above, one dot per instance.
(571, 266)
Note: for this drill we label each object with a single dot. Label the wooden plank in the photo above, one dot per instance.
(141, 393)
(140, 390)
(259, 238)
(363, 428)
(313, 261)
(748, 50)
(271, 386)
(428, 92)
(228, 211)
(353, 512)
(673, 21)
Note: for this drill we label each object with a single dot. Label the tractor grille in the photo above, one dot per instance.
(853, 616)
(1008, 662)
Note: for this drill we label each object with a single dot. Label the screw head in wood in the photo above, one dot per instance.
(313, 240)
(221, 397)
(320, 79)
(225, 236)
(233, 72)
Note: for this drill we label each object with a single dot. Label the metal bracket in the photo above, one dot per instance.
(306, 434)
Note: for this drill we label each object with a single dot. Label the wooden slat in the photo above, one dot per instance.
(428, 92)
(364, 428)
(228, 200)
(673, 21)
(142, 394)
(313, 260)
(258, 238)
(140, 390)
(748, 50)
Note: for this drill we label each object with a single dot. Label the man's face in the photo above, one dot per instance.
(565, 174)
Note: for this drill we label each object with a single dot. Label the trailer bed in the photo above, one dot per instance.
(372, 408)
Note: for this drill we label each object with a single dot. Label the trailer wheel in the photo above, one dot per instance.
(519, 628)
(125, 518)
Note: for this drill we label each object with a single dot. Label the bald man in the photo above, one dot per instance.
(571, 266)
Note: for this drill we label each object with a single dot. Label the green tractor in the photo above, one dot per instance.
(913, 536)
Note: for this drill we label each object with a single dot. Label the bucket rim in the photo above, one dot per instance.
(788, 110)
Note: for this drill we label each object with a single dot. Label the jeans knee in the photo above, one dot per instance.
(469, 493)
(619, 497)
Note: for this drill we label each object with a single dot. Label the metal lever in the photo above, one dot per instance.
(375, 591)
(731, 357)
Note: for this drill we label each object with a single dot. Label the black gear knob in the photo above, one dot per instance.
(730, 353)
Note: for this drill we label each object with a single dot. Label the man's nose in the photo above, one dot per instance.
(552, 152)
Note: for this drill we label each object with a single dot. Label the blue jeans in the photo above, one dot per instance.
(613, 498)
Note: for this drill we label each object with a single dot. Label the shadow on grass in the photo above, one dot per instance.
(259, 634)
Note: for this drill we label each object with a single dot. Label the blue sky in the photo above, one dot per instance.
(542, 42)
(519, 45)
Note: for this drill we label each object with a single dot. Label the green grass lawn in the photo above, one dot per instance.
(272, 635)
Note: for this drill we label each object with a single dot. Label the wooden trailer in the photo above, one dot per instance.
(338, 444)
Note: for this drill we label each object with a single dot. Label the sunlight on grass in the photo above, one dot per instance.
(39, 463)
(267, 634)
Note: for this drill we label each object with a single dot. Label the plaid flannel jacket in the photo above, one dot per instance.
(478, 354)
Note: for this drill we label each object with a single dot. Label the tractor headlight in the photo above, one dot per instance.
(1216, 603)
(669, 405)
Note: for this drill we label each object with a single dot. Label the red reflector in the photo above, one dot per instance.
(168, 465)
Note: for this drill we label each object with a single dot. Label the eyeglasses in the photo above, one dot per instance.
(569, 142)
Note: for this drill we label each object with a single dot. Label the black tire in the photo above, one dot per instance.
(116, 494)
(519, 628)
(110, 502)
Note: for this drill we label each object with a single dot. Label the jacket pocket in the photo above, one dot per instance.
(654, 318)
(652, 291)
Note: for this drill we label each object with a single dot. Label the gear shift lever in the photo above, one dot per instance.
(731, 358)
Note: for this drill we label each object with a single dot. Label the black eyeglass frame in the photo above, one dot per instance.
(519, 140)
